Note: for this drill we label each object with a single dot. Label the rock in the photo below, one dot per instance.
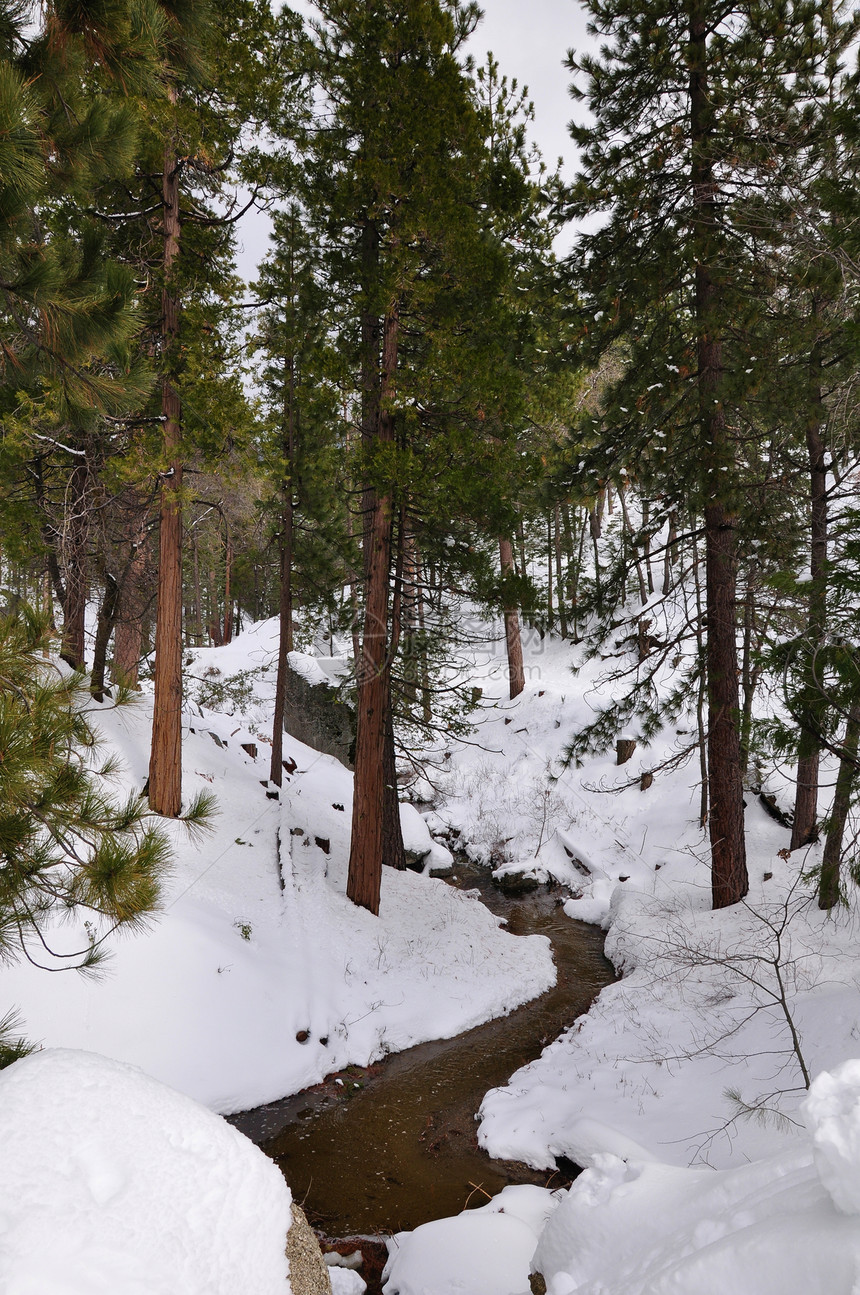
(308, 1273)
(415, 859)
(317, 715)
(515, 883)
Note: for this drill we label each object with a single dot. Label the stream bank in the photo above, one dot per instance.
(387, 1147)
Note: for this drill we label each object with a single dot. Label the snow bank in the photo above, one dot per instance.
(784, 1225)
(832, 1113)
(113, 1184)
(484, 1251)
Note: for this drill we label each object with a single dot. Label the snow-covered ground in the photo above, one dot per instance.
(260, 977)
(698, 1027)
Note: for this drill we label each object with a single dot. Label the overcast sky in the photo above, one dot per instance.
(530, 39)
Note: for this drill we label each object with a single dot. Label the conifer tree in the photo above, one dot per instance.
(67, 845)
(302, 379)
(690, 104)
(385, 172)
(173, 221)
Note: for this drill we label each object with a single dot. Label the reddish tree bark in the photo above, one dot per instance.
(365, 859)
(165, 764)
(729, 881)
(513, 639)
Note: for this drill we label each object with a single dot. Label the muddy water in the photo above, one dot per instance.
(394, 1145)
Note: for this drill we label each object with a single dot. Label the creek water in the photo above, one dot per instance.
(394, 1144)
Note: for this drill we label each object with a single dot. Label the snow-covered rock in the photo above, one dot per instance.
(113, 1184)
(832, 1113)
(484, 1250)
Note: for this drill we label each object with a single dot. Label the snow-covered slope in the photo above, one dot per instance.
(260, 977)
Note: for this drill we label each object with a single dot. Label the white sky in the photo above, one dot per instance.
(530, 40)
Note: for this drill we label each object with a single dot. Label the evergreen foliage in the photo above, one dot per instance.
(67, 845)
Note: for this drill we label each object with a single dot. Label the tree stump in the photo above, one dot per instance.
(645, 781)
(624, 748)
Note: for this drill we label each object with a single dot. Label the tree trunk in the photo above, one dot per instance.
(128, 637)
(627, 528)
(748, 675)
(521, 545)
(107, 619)
(701, 692)
(595, 520)
(426, 700)
(198, 604)
(577, 575)
(549, 557)
(559, 582)
(228, 592)
(75, 558)
(804, 827)
(828, 885)
(646, 543)
(365, 858)
(353, 581)
(393, 851)
(285, 631)
(165, 763)
(669, 554)
(513, 639)
(729, 881)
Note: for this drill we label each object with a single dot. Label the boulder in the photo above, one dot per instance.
(308, 1272)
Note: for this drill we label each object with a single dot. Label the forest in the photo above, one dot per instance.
(497, 534)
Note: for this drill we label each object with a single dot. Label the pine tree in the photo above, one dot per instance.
(302, 379)
(383, 183)
(67, 845)
(690, 104)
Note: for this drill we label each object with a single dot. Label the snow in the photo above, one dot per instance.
(486, 1250)
(346, 1282)
(708, 1166)
(680, 1090)
(784, 1225)
(832, 1113)
(113, 1184)
(258, 943)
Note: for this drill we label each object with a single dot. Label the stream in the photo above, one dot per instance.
(394, 1144)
